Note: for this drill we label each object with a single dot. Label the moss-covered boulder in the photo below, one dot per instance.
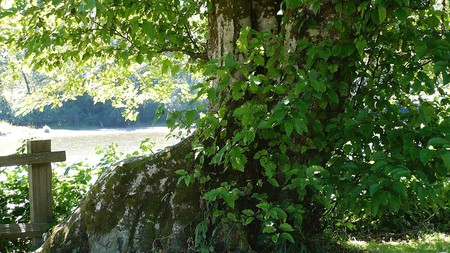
(135, 206)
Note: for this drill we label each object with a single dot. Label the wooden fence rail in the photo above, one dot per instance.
(39, 158)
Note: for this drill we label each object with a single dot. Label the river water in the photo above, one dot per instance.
(80, 145)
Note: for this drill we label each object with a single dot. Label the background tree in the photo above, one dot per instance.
(322, 113)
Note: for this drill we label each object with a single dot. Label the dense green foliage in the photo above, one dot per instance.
(359, 138)
(347, 127)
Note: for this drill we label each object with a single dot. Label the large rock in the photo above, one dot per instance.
(135, 206)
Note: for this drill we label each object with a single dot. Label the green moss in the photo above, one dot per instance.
(140, 200)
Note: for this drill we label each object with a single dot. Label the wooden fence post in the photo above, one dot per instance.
(39, 158)
(40, 182)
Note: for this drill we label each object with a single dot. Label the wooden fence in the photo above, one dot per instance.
(39, 158)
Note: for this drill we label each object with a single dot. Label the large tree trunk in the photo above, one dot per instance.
(136, 206)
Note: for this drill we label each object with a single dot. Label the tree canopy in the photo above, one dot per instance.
(323, 113)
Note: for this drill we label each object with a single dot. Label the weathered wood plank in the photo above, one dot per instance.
(40, 181)
(35, 158)
(22, 230)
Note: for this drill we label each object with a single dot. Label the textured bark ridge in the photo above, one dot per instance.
(134, 207)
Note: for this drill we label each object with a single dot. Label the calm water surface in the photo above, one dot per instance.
(81, 144)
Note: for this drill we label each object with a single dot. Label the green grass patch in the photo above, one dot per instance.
(437, 243)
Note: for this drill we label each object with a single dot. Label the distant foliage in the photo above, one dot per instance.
(5, 110)
(82, 112)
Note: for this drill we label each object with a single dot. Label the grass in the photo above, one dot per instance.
(436, 243)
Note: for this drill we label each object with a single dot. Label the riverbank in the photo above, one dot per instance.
(81, 144)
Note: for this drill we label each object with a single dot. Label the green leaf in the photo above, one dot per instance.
(181, 172)
(229, 198)
(288, 128)
(190, 116)
(248, 212)
(315, 170)
(315, 7)
(238, 160)
(381, 13)
(300, 125)
(139, 58)
(286, 227)
(332, 95)
(379, 198)
(279, 114)
(90, 4)
(426, 155)
(400, 188)
(211, 195)
(293, 3)
(165, 66)
(445, 155)
(232, 217)
(273, 182)
(248, 220)
(149, 29)
(401, 14)
(275, 238)
(288, 237)
(361, 43)
(446, 78)
(394, 203)
(269, 229)
(373, 189)
(229, 60)
(438, 141)
(427, 113)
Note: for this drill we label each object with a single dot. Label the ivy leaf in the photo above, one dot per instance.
(238, 160)
(211, 195)
(230, 198)
(300, 126)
